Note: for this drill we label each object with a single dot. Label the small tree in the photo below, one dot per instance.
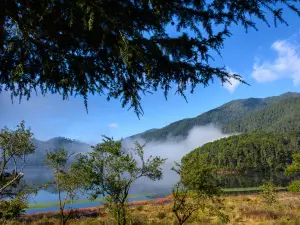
(185, 203)
(196, 189)
(66, 179)
(14, 147)
(113, 170)
(10, 209)
(292, 169)
(268, 192)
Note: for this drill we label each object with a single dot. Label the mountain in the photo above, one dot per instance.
(277, 113)
(281, 116)
(39, 156)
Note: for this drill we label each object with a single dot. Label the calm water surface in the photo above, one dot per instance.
(41, 175)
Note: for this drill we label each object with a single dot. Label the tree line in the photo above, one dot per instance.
(254, 151)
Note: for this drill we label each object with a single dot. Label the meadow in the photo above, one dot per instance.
(250, 209)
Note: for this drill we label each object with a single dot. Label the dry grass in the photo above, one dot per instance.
(241, 209)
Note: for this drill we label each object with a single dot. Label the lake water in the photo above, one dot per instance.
(48, 199)
(143, 189)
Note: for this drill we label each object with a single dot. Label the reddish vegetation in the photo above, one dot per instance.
(97, 211)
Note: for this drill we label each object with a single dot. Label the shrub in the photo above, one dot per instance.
(137, 220)
(140, 208)
(12, 208)
(294, 186)
(268, 192)
(161, 215)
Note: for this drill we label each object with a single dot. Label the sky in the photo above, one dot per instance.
(267, 59)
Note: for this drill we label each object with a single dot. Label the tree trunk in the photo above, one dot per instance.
(123, 212)
(64, 221)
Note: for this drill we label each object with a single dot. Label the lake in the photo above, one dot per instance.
(46, 200)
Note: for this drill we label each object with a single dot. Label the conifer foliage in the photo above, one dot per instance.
(120, 49)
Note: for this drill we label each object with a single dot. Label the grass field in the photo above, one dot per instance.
(248, 189)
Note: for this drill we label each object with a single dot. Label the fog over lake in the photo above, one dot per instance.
(171, 149)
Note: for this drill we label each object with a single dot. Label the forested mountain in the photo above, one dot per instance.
(39, 156)
(238, 116)
(279, 113)
(254, 151)
(281, 116)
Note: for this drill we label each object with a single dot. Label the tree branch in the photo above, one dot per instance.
(21, 174)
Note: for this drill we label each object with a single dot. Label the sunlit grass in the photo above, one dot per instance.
(40, 205)
(249, 189)
(244, 209)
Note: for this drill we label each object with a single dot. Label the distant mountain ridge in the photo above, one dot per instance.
(39, 156)
(237, 116)
(277, 113)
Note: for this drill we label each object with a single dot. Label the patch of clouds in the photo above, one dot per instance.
(174, 151)
(113, 125)
(285, 65)
(232, 83)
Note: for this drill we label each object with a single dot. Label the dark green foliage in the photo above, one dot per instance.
(197, 173)
(256, 151)
(278, 113)
(282, 116)
(120, 49)
(12, 209)
(294, 168)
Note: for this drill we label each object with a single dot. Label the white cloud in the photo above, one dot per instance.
(232, 84)
(285, 65)
(113, 125)
(173, 150)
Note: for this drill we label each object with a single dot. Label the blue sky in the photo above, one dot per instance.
(268, 59)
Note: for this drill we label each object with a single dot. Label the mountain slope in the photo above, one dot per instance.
(254, 151)
(225, 117)
(281, 116)
(39, 156)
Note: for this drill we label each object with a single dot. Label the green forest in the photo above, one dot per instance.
(282, 116)
(254, 151)
(278, 113)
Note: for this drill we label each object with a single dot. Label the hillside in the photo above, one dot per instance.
(279, 113)
(39, 156)
(281, 116)
(255, 151)
(238, 116)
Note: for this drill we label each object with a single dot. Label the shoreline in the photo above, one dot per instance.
(159, 200)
